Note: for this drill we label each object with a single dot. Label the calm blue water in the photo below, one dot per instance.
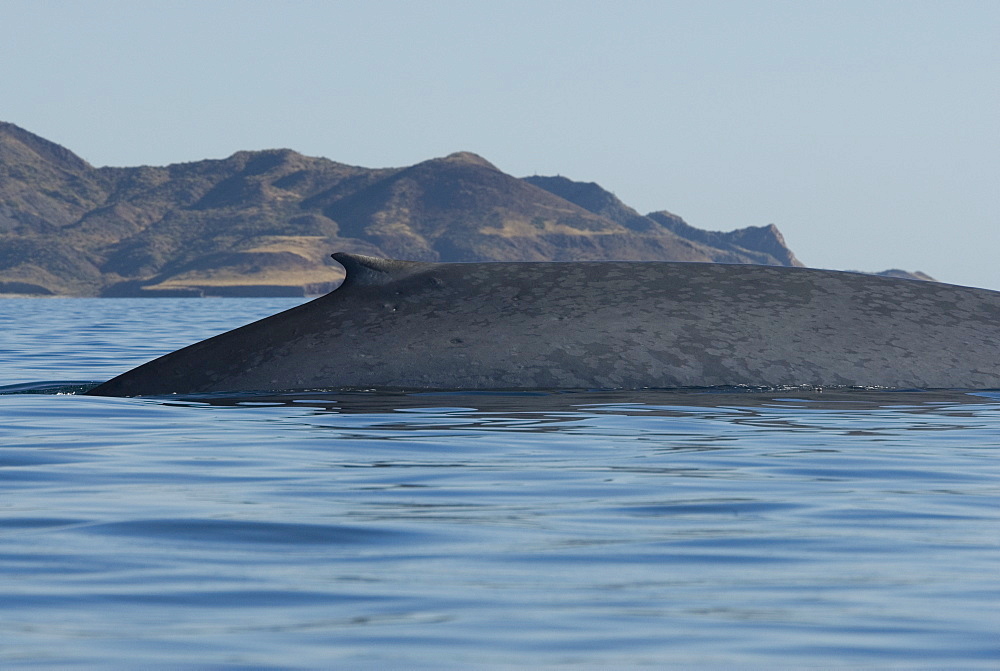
(593, 530)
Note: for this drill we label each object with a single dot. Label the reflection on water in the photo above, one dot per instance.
(427, 530)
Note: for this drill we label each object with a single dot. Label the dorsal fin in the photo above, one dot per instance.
(371, 271)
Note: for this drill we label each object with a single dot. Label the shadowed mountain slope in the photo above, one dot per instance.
(757, 244)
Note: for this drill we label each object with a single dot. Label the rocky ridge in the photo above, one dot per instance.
(265, 222)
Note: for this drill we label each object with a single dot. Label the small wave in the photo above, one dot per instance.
(570, 400)
(48, 387)
(252, 532)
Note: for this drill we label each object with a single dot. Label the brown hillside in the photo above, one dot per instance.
(265, 222)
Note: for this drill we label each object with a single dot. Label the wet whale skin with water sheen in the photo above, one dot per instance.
(588, 325)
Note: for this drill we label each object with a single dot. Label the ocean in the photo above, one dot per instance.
(698, 528)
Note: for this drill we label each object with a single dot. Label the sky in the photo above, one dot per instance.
(868, 132)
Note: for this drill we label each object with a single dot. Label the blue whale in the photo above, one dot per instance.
(596, 325)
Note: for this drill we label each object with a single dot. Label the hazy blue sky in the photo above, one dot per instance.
(869, 132)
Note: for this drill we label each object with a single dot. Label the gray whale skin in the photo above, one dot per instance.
(596, 325)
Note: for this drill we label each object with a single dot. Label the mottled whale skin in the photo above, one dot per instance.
(588, 325)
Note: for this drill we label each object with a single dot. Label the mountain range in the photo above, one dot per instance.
(265, 222)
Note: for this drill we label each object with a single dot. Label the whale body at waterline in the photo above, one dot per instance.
(596, 325)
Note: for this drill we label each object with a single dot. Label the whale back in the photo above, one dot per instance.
(410, 325)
